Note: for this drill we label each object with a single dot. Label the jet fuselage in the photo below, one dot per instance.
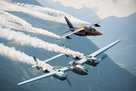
(88, 32)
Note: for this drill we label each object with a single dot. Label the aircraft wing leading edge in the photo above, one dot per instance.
(104, 48)
(37, 78)
(96, 53)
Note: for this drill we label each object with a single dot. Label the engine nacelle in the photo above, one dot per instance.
(77, 68)
(60, 75)
(92, 61)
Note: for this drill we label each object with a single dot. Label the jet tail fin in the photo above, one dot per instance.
(69, 23)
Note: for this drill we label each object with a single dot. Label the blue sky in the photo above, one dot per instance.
(104, 8)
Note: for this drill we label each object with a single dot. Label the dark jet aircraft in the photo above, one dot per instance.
(81, 30)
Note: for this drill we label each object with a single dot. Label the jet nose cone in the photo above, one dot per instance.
(98, 33)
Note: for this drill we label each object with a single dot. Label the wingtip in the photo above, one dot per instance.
(21, 83)
(118, 40)
(18, 84)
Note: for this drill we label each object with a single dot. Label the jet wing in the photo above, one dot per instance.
(96, 53)
(37, 78)
(70, 33)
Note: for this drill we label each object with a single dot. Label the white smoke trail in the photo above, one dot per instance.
(39, 12)
(52, 12)
(15, 22)
(42, 31)
(13, 18)
(15, 55)
(11, 7)
(23, 39)
(9, 24)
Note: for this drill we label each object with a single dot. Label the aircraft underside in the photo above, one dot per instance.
(86, 33)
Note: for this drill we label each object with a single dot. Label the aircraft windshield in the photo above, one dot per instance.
(87, 27)
(90, 28)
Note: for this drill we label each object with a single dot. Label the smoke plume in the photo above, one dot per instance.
(23, 39)
(15, 55)
(14, 22)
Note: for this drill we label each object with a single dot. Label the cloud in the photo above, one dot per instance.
(114, 1)
(105, 8)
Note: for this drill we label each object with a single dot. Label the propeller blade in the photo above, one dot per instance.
(98, 71)
(69, 82)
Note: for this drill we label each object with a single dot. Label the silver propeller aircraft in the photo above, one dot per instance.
(75, 66)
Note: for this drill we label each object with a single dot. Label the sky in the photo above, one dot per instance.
(104, 8)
